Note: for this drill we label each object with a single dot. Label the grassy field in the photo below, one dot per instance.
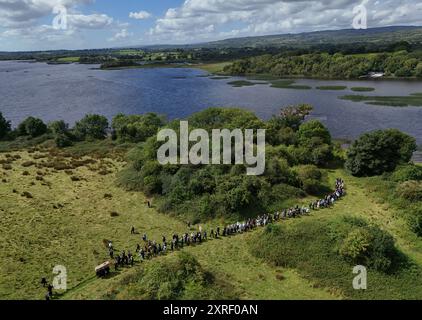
(68, 59)
(214, 68)
(63, 217)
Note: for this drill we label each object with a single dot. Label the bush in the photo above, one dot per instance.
(369, 246)
(32, 127)
(379, 151)
(407, 172)
(63, 140)
(5, 126)
(181, 277)
(415, 220)
(92, 126)
(310, 178)
(410, 190)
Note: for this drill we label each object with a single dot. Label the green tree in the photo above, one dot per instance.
(92, 126)
(379, 151)
(311, 130)
(58, 127)
(32, 127)
(136, 128)
(5, 126)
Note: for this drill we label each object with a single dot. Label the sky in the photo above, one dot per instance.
(27, 25)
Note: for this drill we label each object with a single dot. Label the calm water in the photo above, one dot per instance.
(69, 92)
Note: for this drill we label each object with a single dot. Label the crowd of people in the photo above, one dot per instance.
(152, 248)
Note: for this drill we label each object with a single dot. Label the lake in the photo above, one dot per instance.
(68, 92)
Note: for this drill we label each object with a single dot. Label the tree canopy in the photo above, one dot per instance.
(379, 151)
(91, 126)
(5, 126)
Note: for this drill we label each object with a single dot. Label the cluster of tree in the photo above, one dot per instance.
(95, 59)
(136, 128)
(119, 63)
(131, 128)
(294, 149)
(398, 64)
(90, 127)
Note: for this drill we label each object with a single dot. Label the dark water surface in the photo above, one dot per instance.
(68, 92)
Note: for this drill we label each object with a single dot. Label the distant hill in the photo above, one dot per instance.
(412, 34)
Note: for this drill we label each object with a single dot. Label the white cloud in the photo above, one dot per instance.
(192, 20)
(92, 21)
(15, 13)
(20, 19)
(141, 15)
(121, 35)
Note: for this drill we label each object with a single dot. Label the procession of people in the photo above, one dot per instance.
(152, 248)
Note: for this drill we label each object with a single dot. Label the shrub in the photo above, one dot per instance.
(63, 140)
(407, 172)
(32, 127)
(410, 190)
(27, 164)
(310, 178)
(379, 151)
(178, 278)
(7, 166)
(369, 246)
(62, 136)
(26, 194)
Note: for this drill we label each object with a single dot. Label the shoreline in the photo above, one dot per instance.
(212, 65)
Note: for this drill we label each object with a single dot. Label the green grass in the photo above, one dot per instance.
(66, 222)
(414, 100)
(288, 84)
(214, 68)
(68, 59)
(362, 89)
(311, 247)
(332, 88)
(244, 83)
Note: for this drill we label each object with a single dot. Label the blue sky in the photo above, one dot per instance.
(29, 24)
